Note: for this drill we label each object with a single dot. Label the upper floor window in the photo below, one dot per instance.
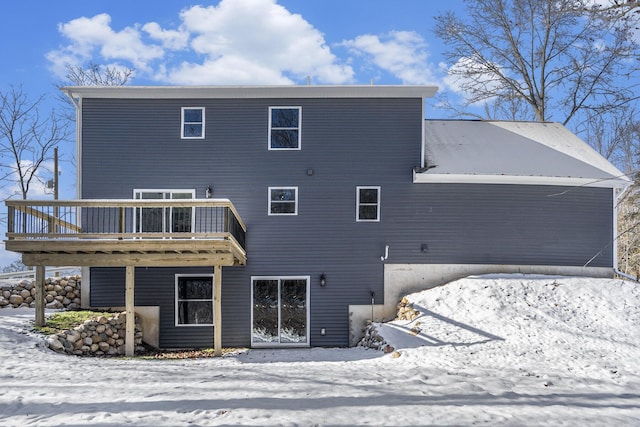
(283, 200)
(368, 204)
(285, 128)
(192, 123)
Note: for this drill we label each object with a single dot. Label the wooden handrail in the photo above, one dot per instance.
(57, 222)
(128, 203)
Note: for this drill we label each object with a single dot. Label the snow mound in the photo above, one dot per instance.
(520, 321)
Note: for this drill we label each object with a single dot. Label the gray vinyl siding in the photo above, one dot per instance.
(130, 144)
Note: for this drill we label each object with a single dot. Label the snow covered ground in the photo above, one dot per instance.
(489, 350)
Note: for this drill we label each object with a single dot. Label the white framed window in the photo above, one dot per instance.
(194, 300)
(160, 219)
(285, 128)
(192, 123)
(367, 204)
(283, 200)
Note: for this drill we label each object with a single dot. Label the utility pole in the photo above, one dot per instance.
(56, 209)
(55, 174)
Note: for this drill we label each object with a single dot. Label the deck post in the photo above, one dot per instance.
(39, 296)
(130, 338)
(217, 310)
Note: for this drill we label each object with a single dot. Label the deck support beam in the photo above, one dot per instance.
(217, 310)
(39, 296)
(130, 338)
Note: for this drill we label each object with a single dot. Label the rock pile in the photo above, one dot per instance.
(101, 336)
(60, 293)
(406, 311)
(372, 339)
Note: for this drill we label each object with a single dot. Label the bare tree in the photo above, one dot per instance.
(544, 60)
(92, 75)
(629, 205)
(26, 138)
(618, 7)
(98, 75)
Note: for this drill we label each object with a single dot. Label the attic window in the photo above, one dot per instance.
(284, 128)
(192, 123)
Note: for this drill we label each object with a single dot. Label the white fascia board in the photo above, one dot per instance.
(250, 92)
(428, 178)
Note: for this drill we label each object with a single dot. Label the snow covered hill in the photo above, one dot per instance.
(487, 350)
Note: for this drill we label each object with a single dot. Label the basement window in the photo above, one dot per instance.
(194, 300)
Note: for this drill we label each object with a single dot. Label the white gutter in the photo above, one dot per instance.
(68, 91)
(434, 178)
(251, 92)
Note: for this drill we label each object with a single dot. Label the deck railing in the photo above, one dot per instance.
(124, 219)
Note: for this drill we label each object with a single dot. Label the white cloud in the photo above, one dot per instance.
(467, 75)
(89, 36)
(171, 39)
(402, 53)
(258, 39)
(218, 72)
(235, 42)
(37, 187)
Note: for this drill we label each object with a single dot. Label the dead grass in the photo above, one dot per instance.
(187, 354)
(65, 320)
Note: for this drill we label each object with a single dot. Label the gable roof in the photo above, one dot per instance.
(506, 152)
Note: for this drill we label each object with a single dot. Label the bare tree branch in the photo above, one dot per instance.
(560, 57)
(26, 138)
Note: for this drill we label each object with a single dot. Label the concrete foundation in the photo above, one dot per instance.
(403, 279)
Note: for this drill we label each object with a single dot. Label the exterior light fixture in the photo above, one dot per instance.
(323, 280)
(208, 192)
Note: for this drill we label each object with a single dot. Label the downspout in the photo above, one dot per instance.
(78, 104)
(85, 271)
(616, 197)
(423, 148)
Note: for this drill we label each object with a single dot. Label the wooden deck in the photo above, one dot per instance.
(130, 234)
(112, 232)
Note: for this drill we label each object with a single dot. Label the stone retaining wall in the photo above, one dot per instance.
(60, 293)
(101, 336)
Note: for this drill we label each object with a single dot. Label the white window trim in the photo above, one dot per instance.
(136, 191)
(299, 147)
(182, 122)
(367, 187)
(295, 189)
(175, 304)
(280, 279)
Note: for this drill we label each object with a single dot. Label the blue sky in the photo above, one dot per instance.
(224, 42)
(218, 42)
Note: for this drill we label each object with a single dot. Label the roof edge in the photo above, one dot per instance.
(434, 178)
(291, 91)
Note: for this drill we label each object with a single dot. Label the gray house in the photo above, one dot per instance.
(321, 204)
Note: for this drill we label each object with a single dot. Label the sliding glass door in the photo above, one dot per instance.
(280, 315)
(163, 220)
